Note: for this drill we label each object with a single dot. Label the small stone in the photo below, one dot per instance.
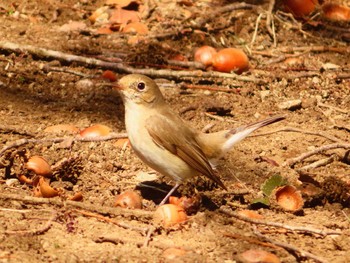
(315, 80)
(143, 176)
(325, 94)
(12, 182)
(290, 105)
(257, 115)
(330, 66)
(308, 103)
(264, 94)
(84, 84)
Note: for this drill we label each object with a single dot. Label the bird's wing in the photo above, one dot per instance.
(180, 140)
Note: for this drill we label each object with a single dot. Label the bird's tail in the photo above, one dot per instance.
(215, 145)
(238, 134)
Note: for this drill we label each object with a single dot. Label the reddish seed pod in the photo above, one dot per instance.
(300, 8)
(336, 12)
(129, 199)
(169, 215)
(95, 131)
(205, 55)
(230, 59)
(190, 205)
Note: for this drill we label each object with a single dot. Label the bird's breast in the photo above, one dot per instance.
(149, 152)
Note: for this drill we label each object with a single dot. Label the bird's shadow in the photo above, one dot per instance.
(154, 191)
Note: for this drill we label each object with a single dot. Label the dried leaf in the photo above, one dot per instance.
(122, 16)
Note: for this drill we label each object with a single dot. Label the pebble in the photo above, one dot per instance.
(264, 94)
(12, 182)
(309, 103)
(290, 105)
(316, 80)
(84, 84)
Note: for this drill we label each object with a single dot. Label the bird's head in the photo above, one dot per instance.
(139, 89)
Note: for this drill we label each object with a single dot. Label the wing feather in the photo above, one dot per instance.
(180, 140)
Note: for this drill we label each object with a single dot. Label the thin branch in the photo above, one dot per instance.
(104, 210)
(320, 104)
(150, 232)
(292, 129)
(22, 142)
(289, 247)
(250, 240)
(92, 62)
(211, 88)
(47, 68)
(256, 29)
(319, 163)
(315, 49)
(304, 229)
(109, 220)
(269, 21)
(39, 231)
(291, 162)
(202, 20)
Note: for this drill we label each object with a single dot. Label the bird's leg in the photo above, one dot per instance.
(169, 194)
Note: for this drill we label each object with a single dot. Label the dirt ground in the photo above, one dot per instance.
(34, 96)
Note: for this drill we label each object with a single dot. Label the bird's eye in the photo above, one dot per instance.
(141, 86)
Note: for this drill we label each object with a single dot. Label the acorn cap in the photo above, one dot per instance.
(39, 166)
(288, 198)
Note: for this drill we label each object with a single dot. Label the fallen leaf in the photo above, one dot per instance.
(135, 27)
(121, 3)
(61, 128)
(122, 16)
(73, 26)
(105, 30)
(258, 255)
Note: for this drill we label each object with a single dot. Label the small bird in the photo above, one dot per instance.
(166, 143)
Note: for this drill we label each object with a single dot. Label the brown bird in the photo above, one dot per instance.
(166, 143)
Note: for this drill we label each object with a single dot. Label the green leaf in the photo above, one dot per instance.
(270, 184)
(262, 200)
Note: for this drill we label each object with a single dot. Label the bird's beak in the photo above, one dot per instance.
(118, 87)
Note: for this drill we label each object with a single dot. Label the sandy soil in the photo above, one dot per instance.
(34, 96)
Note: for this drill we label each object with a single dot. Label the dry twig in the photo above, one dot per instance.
(22, 142)
(249, 239)
(211, 88)
(304, 229)
(119, 67)
(256, 30)
(202, 20)
(39, 231)
(319, 163)
(116, 211)
(269, 22)
(289, 247)
(109, 220)
(291, 162)
(292, 129)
